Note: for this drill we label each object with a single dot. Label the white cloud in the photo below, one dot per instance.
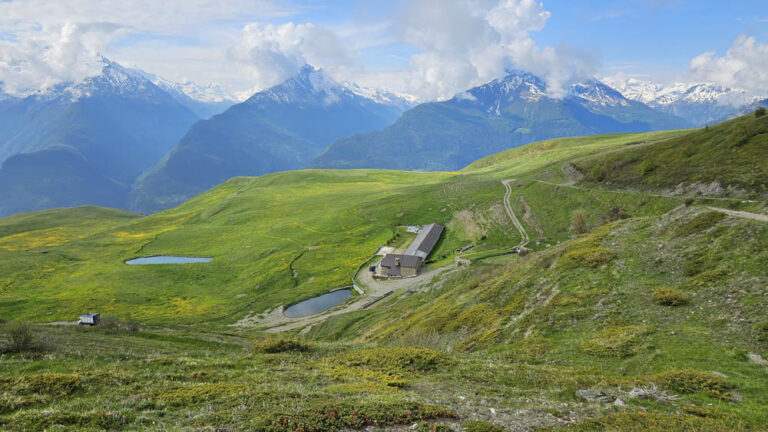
(70, 53)
(467, 43)
(744, 65)
(44, 42)
(450, 45)
(272, 53)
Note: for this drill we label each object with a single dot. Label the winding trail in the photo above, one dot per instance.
(524, 239)
(741, 214)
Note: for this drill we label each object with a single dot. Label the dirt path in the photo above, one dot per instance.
(741, 214)
(524, 239)
(571, 184)
(275, 321)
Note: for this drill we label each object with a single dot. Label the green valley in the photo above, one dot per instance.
(638, 304)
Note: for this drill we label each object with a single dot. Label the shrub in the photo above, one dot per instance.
(647, 167)
(616, 213)
(615, 342)
(699, 224)
(694, 381)
(761, 331)
(395, 360)
(279, 345)
(371, 378)
(115, 323)
(344, 415)
(481, 426)
(669, 297)
(760, 112)
(47, 383)
(20, 336)
(591, 257)
(436, 427)
(579, 224)
(689, 202)
(598, 173)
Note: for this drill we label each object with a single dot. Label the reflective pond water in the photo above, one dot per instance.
(318, 304)
(167, 259)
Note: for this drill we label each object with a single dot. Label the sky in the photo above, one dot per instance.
(431, 49)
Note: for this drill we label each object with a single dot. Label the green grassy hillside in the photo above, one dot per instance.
(652, 319)
(726, 159)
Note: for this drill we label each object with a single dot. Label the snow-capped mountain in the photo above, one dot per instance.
(85, 143)
(283, 127)
(698, 102)
(596, 94)
(401, 100)
(514, 110)
(205, 101)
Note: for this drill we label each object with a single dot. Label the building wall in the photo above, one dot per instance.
(408, 272)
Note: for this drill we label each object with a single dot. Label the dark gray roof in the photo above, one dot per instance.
(425, 241)
(407, 261)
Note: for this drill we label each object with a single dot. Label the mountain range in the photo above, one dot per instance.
(133, 140)
(281, 128)
(700, 103)
(502, 114)
(85, 143)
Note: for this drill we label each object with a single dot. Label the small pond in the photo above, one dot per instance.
(318, 304)
(166, 259)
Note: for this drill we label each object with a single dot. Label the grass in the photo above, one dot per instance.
(730, 154)
(517, 334)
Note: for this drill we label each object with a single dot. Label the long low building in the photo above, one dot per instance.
(408, 263)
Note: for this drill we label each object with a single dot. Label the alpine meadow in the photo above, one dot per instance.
(382, 217)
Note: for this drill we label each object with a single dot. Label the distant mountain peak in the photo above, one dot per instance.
(403, 101)
(699, 102)
(597, 93)
(309, 86)
(525, 86)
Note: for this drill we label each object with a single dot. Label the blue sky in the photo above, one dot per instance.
(637, 36)
(429, 48)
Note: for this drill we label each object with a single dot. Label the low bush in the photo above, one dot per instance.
(619, 341)
(279, 345)
(761, 332)
(63, 420)
(344, 414)
(669, 297)
(114, 322)
(579, 223)
(434, 427)
(20, 337)
(655, 422)
(47, 383)
(481, 426)
(590, 257)
(395, 360)
(373, 378)
(699, 224)
(694, 381)
(647, 167)
(760, 112)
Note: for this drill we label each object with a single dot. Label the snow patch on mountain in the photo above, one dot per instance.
(655, 94)
(403, 101)
(521, 85)
(699, 102)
